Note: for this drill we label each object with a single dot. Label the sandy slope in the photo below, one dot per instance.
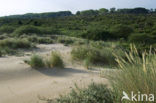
(21, 84)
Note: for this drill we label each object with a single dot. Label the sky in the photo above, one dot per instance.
(12, 7)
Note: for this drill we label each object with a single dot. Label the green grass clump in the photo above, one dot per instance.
(14, 43)
(38, 39)
(95, 93)
(55, 61)
(96, 55)
(36, 62)
(65, 40)
(137, 74)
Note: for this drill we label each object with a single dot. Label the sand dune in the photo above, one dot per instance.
(21, 84)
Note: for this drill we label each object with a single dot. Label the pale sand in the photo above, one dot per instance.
(19, 83)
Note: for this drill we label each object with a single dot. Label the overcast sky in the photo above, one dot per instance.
(10, 7)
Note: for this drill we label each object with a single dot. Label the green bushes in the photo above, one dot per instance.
(14, 43)
(28, 29)
(121, 31)
(36, 62)
(95, 55)
(97, 34)
(40, 40)
(65, 40)
(95, 93)
(6, 29)
(55, 61)
(11, 45)
(137, 74)
(142, 38)
(0, 53)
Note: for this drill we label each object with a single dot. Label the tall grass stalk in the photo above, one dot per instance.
(136, 73)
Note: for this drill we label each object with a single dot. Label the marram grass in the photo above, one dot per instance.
(137, 73)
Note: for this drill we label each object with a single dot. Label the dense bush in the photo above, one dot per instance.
(55, 61)
(95, 55)
(6, 29)
(97, 34)
(121, 31)
(27, 30)
(142, 38)
(36, 62)
(14, 43)
(95, 93)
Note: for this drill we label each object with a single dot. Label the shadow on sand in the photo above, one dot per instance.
(60, 72)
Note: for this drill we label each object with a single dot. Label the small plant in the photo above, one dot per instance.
(0, 53)
(55, 61)
(36, 62)
(95, 93)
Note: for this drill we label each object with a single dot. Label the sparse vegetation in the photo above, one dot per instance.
(7, 29)
(95, 93)
(29, 29)
(14, 43)
(11, 45)
(55, 61)
(96, 54)
(36, 62)
(138, 74)
(99, 38)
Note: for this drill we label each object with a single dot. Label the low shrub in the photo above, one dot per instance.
(14, 43)
(65, 40)
(7, 29)
(6, 51)
(95, 56)
(0, 53)
(36, 62)
(28, 29)
(95, 93)
(38, 39)
(142, 38)
(121, 31)
(45, 40)
(97, 34)
(55, 61)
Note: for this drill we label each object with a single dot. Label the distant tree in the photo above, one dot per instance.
(78, 13)
(20, 22)
(103, 11)
(89, 12)
(112, 10)
(140, 10)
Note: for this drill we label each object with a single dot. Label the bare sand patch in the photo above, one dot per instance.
(21, 84)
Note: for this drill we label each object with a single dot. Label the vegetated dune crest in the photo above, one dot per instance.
(19, 83)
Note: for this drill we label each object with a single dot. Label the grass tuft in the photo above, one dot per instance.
(55, 61)
(36, 62)
(137, 74)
